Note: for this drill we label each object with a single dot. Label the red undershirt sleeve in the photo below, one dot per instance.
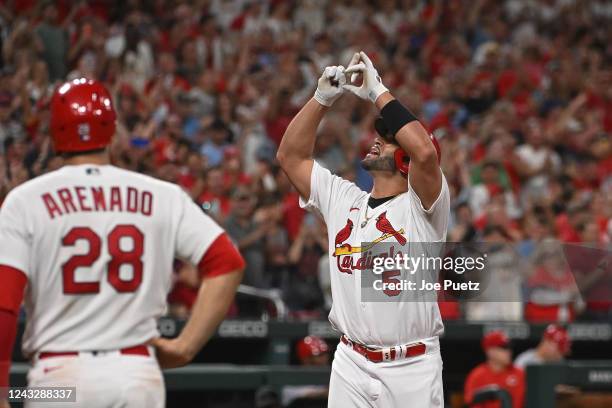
(220, 258)
(12, 285)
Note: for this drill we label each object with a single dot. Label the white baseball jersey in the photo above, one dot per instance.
(528, 357)
(97, 244)
(343, 206)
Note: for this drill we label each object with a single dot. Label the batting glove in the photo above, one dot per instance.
(329, 88)
(372, 86)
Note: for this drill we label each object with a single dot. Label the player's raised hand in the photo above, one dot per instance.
(171, 353)
(372, 86)
(329, 87)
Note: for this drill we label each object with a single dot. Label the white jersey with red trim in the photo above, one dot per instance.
(97, 244)
(350, 222)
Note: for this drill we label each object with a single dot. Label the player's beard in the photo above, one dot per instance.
(379, 164)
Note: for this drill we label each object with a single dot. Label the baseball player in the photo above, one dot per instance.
(554, 346)
(389, 354)
(93, 247)
(312, 351)
(496, 373)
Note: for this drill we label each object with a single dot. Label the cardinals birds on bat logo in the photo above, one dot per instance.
(344, 251)
(384, 226)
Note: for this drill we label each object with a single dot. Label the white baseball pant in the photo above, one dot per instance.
(359, 383)
(105, 380)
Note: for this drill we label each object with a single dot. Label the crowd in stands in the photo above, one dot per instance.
(518, 94)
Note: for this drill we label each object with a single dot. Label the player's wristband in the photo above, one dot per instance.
(395, 116)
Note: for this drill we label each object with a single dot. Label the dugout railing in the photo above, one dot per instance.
(542, 380)
(251, 353)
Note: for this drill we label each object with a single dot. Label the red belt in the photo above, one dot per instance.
(141, 350)
(387, 353)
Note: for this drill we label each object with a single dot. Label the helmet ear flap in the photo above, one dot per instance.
(402, 161)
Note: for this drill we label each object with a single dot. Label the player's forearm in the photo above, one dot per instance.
(412, 137)
(215, 296)
(299, 139)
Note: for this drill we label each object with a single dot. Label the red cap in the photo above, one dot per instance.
(560, 336)
(82, 116)
(311, 346)
(496, 338)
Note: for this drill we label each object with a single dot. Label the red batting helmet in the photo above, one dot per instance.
(559, 335)
(82, 116)
(311, 346)
(402, 160)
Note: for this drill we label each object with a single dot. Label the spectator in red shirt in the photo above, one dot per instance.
(553, 293)
(293, 214)
(496, 372)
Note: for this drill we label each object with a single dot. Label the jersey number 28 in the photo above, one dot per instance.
(132, 257)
